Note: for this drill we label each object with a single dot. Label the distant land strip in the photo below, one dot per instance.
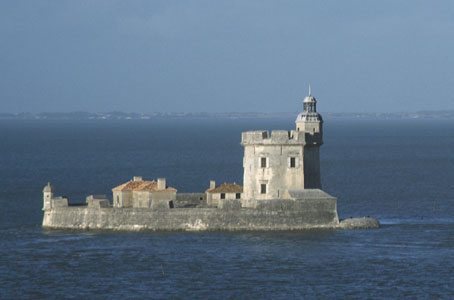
(80, 115)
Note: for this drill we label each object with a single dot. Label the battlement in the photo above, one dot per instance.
(278, 137)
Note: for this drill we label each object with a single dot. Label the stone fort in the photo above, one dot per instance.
(281, 191)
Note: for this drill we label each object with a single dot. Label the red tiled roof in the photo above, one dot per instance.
(226, 188)
(143, 185)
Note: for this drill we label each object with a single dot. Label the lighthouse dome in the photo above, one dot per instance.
(48, 188)
(309, 99)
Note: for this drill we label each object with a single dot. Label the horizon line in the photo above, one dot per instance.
(220, 113)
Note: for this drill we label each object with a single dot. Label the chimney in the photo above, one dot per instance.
(137, 178)
(212, 184)
(161, 183)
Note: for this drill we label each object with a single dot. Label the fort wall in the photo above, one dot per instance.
(307, 209)
(272, 215)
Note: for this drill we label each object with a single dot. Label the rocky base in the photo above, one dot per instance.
(359, 223)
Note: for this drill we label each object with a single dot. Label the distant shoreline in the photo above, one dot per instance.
(425, 115)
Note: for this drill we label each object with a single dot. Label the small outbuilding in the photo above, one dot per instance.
(139, 193)
(229, 191)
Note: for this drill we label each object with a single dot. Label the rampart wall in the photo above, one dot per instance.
(272, 215)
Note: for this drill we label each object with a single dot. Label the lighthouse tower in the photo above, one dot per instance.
(283, 161)
(311, 123)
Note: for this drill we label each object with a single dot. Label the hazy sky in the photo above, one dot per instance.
(226, 56)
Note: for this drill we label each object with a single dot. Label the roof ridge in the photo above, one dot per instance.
(226, 188)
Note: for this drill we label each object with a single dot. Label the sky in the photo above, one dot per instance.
(226, 56)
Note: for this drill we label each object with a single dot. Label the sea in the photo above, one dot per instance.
(398, 171)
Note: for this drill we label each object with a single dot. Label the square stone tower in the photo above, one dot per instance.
(277, 163)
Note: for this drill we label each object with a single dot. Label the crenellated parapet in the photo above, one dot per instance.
(280, 137)
(277, 137)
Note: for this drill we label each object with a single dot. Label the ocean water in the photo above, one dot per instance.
(401, 172)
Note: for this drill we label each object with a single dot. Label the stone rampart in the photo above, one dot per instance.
(232, 204)
(308, 209)
(294, 215)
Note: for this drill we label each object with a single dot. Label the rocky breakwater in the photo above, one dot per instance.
(359, 223)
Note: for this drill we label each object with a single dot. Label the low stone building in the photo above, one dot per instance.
(228, 191)
(139, 193)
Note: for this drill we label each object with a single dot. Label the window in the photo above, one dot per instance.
(263, 188)
(222, 195)
(238, 196)
(118, 200)
(292, 162)
(263, 162)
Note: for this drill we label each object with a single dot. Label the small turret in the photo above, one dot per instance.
(48, 194)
